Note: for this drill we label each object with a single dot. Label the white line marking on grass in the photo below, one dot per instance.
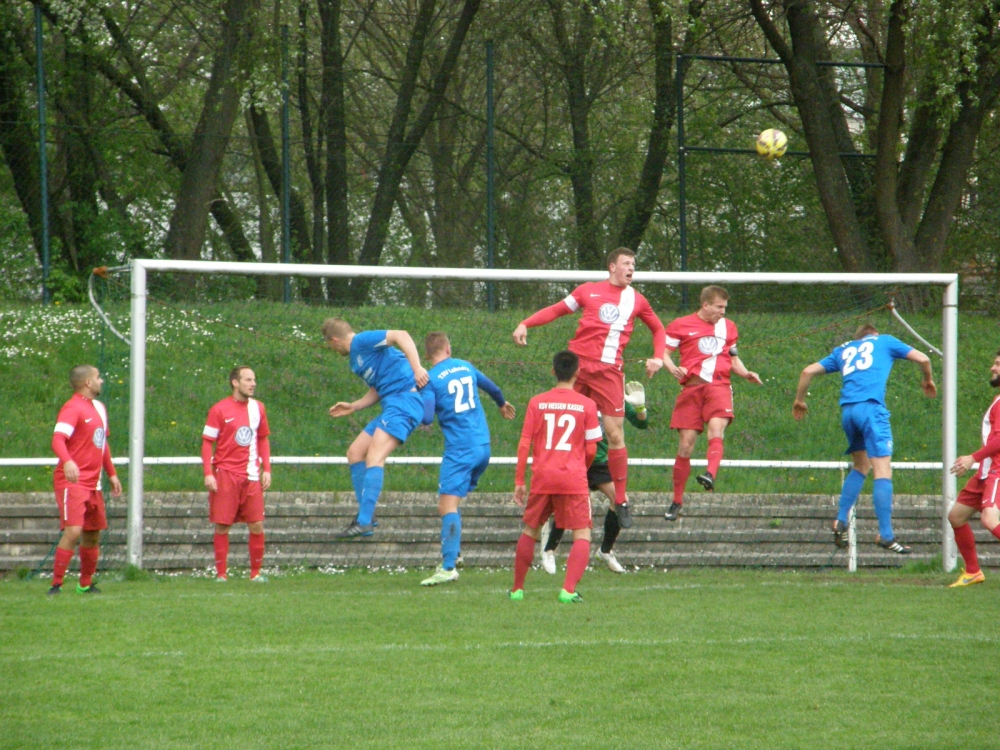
(295, 649)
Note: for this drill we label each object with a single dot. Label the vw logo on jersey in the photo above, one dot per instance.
(99, 438)
(709, 345)
(608, 313)
(243, 436)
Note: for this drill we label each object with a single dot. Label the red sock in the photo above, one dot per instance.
(522, 560)
(88, 564)
(576, 563)
(221, 544)
(714, 456)
(966, 542)
(256, 553)
(682, 470)
(618, 468)
(995, 531)
(62, 560)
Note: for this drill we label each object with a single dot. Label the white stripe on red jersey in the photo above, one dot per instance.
(991, 425)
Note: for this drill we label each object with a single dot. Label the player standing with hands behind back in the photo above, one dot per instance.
(609, 311)
(240, 472)
(80, 441)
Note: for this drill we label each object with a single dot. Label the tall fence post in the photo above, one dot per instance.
(490, 228)
(43, 167)
(286, 167)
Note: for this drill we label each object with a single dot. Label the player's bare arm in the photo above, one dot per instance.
(520, 493)
(521, 334)
(962, 464)
(116, 486)
(404, 342)
(508, 411)
(927, 384)
(741, 370)
(345, 408)
(799, 408)
(679, 373)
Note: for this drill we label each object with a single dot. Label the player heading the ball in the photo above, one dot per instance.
(452, 393)
(561, 432)
(981, 492)
(864, 365)
(707, 342)
(80, 442)
(609, 309)
(392, 376)
(239, 473)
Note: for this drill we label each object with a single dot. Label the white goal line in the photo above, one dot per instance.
(494, 461)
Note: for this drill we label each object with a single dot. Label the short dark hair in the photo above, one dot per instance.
(865, 329)
(234, 374)
(618, 252)
(565, 365)
(78, 375)
(435, 342)
(713, 292)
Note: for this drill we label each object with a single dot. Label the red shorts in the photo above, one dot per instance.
(571, 511)
(980, 493)
(604, 384)
(696, 404)
(79, 506)
(238, 500)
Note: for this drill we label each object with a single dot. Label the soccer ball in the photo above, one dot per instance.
(771, 144)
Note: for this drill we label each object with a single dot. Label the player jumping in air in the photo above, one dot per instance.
(707, 343)
(864, 365)
(982, 492)
(598, 478)
(561, 432)
(452, 393)
(80, 442)
(392, 376)
(239, 473)
(609, 309)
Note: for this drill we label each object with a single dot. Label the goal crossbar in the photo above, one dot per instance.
(141, 267)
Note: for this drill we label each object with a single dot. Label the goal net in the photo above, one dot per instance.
(189, 323)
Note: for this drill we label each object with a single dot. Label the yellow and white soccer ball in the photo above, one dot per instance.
(771, 144)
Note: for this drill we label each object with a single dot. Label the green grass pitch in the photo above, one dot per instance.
(678, 659)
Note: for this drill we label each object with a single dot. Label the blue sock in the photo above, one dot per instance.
(358, 480)
(451, 539)
(849, 494)
(882, 498)
(374, 477)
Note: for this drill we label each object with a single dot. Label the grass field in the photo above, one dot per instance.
(361, 659)
(193, 345)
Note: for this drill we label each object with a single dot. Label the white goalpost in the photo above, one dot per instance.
(141, 268)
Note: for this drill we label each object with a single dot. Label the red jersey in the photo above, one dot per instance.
(559, 424)
(991, 440)
(238, 428)
(84, 422)
(704, 347)
(606, 323)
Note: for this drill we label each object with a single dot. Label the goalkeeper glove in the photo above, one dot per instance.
(635, 394)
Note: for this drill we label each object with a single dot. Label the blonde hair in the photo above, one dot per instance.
(712, 293)
(336, 328)
(434, 343)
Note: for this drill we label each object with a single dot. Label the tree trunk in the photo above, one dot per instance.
(335, 129)
(401, 143)
(199, 181)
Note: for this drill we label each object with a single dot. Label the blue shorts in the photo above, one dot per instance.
(401, 413)
(866, 425)
(461, 469)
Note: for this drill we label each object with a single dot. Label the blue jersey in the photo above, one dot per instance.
(452, 394)
(865, 365)
(381, 366)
